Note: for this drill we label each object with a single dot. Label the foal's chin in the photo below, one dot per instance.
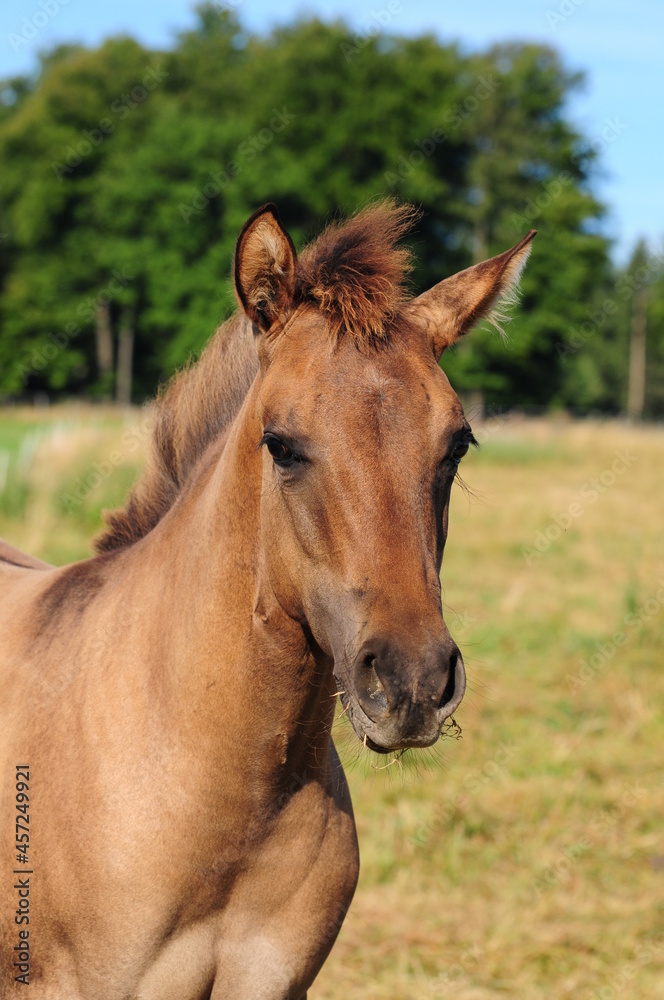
(374, 737)
(379, 737)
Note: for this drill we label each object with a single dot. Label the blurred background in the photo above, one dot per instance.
(524, 859)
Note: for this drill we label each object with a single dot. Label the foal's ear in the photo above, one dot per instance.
(453, 306)
(264, 267)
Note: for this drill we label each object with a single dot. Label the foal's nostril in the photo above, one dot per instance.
(450, 686)
(372, 682)
(455, 687)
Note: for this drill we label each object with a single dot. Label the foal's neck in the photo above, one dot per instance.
(254, 685)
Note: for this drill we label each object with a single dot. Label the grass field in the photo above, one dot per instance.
(525, 859)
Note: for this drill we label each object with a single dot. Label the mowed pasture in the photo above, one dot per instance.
(523, 856)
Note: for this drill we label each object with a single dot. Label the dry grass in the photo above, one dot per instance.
(525, 860)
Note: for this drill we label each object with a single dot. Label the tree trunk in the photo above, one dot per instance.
(637, 356)
(104, 339)
(125, 358)
(481, 241)
(476, 408)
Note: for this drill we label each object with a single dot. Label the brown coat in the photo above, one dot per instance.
(191, 833)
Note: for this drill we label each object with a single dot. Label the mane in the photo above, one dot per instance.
(192, 412)
(354, 273)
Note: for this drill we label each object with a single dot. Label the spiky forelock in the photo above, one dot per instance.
(356, 271)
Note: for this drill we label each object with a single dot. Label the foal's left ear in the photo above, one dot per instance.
(264, 267)
(453, 306)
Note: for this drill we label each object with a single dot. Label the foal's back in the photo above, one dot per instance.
(11, 556)
(22, 579)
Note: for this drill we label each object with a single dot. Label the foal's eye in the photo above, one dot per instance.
(460, 449)
(280, 452)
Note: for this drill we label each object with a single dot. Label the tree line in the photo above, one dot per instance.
(127, 174)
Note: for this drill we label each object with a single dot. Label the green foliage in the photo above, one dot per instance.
(646, 271)
(128, 173)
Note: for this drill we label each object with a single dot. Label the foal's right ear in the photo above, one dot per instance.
(264, 268)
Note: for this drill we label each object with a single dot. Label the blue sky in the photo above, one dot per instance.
(618, 43)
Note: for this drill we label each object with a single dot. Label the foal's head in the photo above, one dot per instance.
(362, 435)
